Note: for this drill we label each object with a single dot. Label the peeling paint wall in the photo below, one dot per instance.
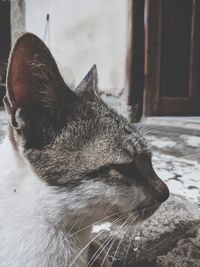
(81, 33)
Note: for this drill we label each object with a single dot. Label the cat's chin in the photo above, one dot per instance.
(137, 215)
(144, 212)
(141, 213)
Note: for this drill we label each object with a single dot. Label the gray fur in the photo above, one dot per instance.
(74, 141)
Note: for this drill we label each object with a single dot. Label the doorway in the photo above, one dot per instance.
(172, 58)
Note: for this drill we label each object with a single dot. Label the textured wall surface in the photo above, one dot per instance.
(81, 33)
(17, 18)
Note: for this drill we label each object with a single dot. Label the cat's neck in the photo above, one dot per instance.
(39, 209)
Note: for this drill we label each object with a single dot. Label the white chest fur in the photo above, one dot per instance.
(29, 211)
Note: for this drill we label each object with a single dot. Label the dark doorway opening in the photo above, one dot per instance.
(172, 38)
(165, 58)
(5, 43)
(175, 48)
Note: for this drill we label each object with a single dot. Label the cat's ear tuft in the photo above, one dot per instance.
(88, 87)
(33, 78)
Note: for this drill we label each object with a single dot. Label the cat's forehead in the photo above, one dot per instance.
(98, 130)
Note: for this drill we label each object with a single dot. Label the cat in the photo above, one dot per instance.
(67, 162)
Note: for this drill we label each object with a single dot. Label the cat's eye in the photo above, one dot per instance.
(129, 170)
(101, 170)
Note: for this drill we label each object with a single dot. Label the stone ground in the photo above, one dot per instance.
(176, 157)
(171, 237)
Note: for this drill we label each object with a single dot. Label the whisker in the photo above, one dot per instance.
(147, 131)
(93, 224)
(99, 251)
(140, 124)
(123, 235)
(113, 242)
(128, 246)
(127, 253)
(76, 223)
(107, 239)
(84, 248)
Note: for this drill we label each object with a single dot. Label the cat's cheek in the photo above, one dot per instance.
(130, 197)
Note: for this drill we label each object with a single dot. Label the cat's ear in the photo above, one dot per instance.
(87, 88)
(38, 101)
(33, 78)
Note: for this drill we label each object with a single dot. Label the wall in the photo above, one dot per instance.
(81, 33)
(17, 18)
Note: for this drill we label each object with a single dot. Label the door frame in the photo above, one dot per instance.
(153, 104)
(135, 59)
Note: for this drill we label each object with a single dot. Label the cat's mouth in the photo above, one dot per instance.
(140, 213)
(144, 212)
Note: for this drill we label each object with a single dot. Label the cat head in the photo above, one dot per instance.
(74, 142)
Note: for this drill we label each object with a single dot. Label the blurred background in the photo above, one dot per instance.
(147, 51)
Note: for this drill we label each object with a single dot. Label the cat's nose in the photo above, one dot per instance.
(160, 190)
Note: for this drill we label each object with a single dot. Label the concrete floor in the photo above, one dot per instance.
(181, 121)
(176, 153)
